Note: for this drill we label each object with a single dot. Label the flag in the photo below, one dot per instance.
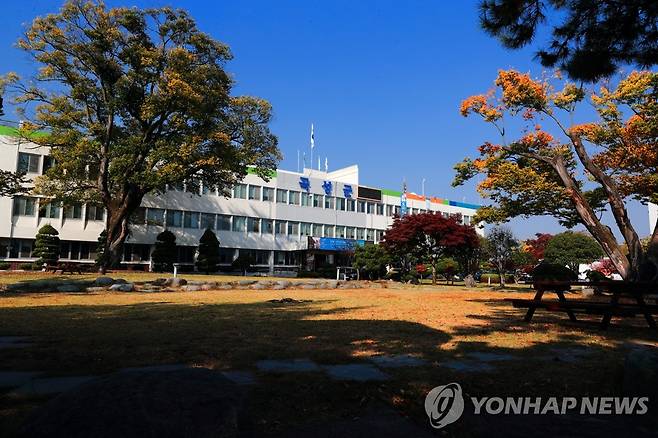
(312, 137)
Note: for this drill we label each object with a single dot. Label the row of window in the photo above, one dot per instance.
(241, 224)
(32, 163)
(133, 252)
(26, 206)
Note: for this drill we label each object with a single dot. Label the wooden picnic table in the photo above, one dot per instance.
(614, 291)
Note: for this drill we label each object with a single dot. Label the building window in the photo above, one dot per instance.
(240, 191)
(340, 231)
(49, 210)
(293, 197)
(370, 235)
(317, 230)
(24, 206)
(223, 222)
(239, 224)
(280, 227)
(293, 228)
(361, 206)
(267, 226)
(317, 201)
(209, 190)
(350, 232)
(254, 192)
(285, 258)
(186, 254)
(139, 216)
(226, 255)
(380, 209)
(467, 220)
(21, 248)
(95, 213)
(48, 162)
(306, 199)
(329, 202)
(329, 231)
(360, 233)
(207, 221)
(370, 208)
(397, 210)
(155, 216)
(305, 229)
(268, 194)
(380, 235)
(73, 211)
(351, 205)
(193, 186)
(340, 204)
(282, 196)
(174, 218)
(259, 256)
(389, 210)
(253, 225)
(191, 219)
(28, 163)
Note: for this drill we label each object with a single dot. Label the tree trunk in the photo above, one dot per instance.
(117, 225)
(433, 275)
(600, 232)
(501, 274)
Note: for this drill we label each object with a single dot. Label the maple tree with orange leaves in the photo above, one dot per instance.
(578, 171)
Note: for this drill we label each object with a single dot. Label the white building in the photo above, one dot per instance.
(295, 220)
(653, 217)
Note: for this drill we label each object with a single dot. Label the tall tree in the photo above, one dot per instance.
(46, 246)
(537, 246)
(500, 249)
(592, 39)
(164, 252)
(590, 167)
(208, 257)
(572, 249)
(140, 100)
(371, 259)
(428, 237)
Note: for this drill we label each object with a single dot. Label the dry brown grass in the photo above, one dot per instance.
(98, 333)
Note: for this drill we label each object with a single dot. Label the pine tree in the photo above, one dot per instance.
(46, 246)
(164, 253)
(208, 258)
(101, 256)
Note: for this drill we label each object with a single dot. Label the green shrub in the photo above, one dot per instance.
(495, 278)
(595, 276)
(4, 266)
(553, 272)
(27, 266)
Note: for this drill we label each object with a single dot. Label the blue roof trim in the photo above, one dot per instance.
(464, 205)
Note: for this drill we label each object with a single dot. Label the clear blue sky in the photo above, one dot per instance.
(381, 80)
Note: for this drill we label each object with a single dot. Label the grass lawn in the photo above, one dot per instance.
(96, 333)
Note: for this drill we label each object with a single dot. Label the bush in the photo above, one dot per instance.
(46, 246)
(27, 266)
(164, 253)
(595, 276)
(495, 278)
(4, 266)
(553, 272)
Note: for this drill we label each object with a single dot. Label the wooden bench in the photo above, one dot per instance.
(64, 268)
(609, 305)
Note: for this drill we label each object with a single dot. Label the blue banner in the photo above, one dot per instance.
(338, 244)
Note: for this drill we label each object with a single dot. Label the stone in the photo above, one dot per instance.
(191, 288)
(212, 285)
(128, 287)
(332, 284)
(308, 286)
(258, 286)
(103, 281)
(95, 289)
(225, 286)
(246, 282)
(193, 402)
(278, 287)
(356, 372)
(70, 288)
(120, 281)
(489, 356)
(283, 283)
(287, 366)
(50, 385)
(175, 282)
(159, 282)
(469, 281)
(240, 377)
(468, 366)
(398, 361)
(12, 379)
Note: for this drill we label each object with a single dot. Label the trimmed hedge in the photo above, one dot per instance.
(4, 266)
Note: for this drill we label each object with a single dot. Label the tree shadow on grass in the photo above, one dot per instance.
(76, 339)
